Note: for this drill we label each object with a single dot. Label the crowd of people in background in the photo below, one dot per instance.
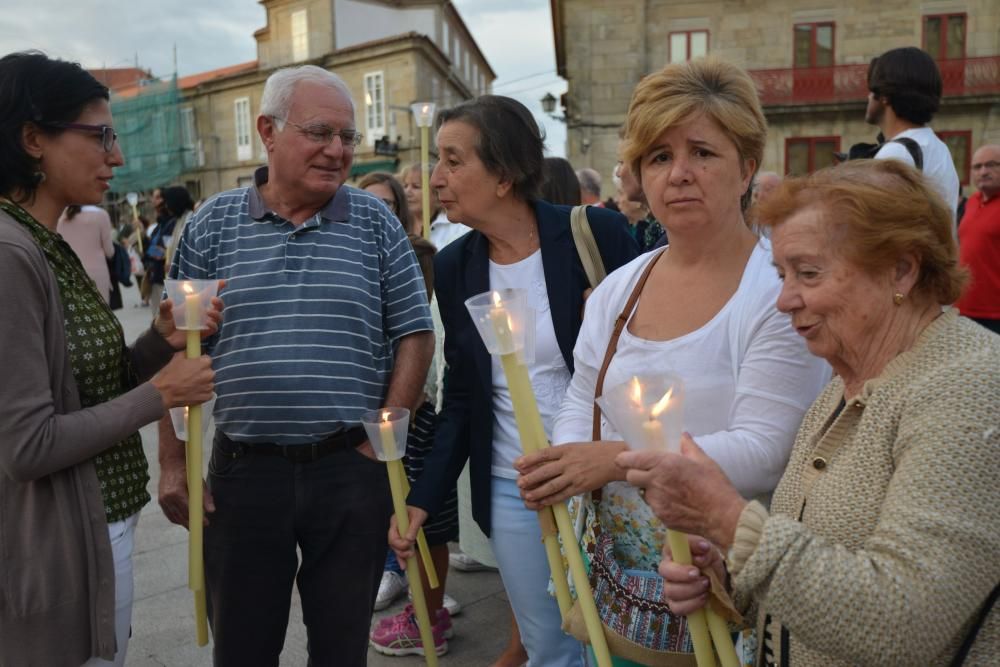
(837, 334)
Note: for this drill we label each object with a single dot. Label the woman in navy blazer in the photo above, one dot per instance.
(488, 177)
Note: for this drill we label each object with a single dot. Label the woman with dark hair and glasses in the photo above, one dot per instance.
(72, 470)
(488, 178)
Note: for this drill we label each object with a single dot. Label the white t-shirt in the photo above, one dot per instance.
(443, 231)
(749, 377)
(939, 168)
(549, 374)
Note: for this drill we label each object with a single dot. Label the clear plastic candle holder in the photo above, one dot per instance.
(505, 321)
(387, 429)
(423, 113)
(179, 418)
(647, 410)
(191, 300)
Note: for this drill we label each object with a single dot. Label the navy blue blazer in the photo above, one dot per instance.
(461, 270)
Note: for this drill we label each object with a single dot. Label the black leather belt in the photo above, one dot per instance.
(305, 453)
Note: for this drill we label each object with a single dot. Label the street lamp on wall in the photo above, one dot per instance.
(549, 107)
(423, 113)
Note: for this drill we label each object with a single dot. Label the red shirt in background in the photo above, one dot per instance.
(979, 250)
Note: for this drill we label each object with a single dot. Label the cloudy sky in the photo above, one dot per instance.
(515, 36)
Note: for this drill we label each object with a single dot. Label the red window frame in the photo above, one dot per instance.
(966, 170)
(812, 44)
(811, 141)
(687, 34)
(943, 45)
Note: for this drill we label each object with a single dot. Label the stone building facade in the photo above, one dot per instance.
(390, 53)
(808, 58)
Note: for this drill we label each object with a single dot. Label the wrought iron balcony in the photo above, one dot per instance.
(847, 83)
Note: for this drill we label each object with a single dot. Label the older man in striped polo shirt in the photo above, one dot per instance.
(326, 318)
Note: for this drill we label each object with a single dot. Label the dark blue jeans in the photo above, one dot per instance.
(336, 511)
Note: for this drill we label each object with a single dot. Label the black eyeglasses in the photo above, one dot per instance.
(324, 134)
(108, 134)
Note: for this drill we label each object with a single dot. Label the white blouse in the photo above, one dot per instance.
(748, 375)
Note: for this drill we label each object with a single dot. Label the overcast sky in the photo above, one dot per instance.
(515, 36)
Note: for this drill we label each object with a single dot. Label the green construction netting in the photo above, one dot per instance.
(155, 136)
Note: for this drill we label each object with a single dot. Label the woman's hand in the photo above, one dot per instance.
(177, 338)
(185, 381)
(687, 491)
(403, 544)
(557, 473)
(685, 587)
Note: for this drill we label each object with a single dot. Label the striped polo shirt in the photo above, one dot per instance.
(312, 312)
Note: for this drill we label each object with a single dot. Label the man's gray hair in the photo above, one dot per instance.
(277, 97)
(590, 180)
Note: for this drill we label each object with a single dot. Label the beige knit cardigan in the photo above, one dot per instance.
(898, 544)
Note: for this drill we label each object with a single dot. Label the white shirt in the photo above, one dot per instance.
(444, 231)
(748, 376)
(939, 168)
(548, 372)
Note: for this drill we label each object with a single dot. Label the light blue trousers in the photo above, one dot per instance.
(517, 543)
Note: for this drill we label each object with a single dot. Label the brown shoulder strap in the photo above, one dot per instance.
(620, 323)
(613, 343)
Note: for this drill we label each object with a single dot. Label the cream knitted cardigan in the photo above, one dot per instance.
(899, 497)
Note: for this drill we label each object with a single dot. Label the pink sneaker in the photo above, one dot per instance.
(399, 634)
(443, 625)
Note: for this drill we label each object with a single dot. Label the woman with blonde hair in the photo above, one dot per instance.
(443, 231)
(880, 544)
(702, 308)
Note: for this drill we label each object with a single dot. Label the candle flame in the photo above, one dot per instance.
(661, 404)
(187, 287)
(636, 391)
(497, 301)
(385, 415)
(425, 108)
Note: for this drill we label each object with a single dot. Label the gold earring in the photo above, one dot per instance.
(897, 298)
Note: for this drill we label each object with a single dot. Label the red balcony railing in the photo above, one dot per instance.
(847, 83)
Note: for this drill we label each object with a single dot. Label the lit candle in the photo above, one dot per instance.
(533, 439)
(699, 622)
(196, 562)
(397, 479)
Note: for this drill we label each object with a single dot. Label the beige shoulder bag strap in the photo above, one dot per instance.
(586, 246)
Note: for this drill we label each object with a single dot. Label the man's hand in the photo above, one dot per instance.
(173, 487)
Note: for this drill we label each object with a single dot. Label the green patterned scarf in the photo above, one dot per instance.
(96, 345)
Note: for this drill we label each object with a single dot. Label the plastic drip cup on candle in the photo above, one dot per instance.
(387, 429)
(647, 410)
(191, 301)
(132, 198)
(505, 321)
(179, 418)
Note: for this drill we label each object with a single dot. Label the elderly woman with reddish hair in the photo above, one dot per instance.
(879, 546)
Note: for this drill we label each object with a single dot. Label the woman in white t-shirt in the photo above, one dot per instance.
(488, 178)
(694, 137)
